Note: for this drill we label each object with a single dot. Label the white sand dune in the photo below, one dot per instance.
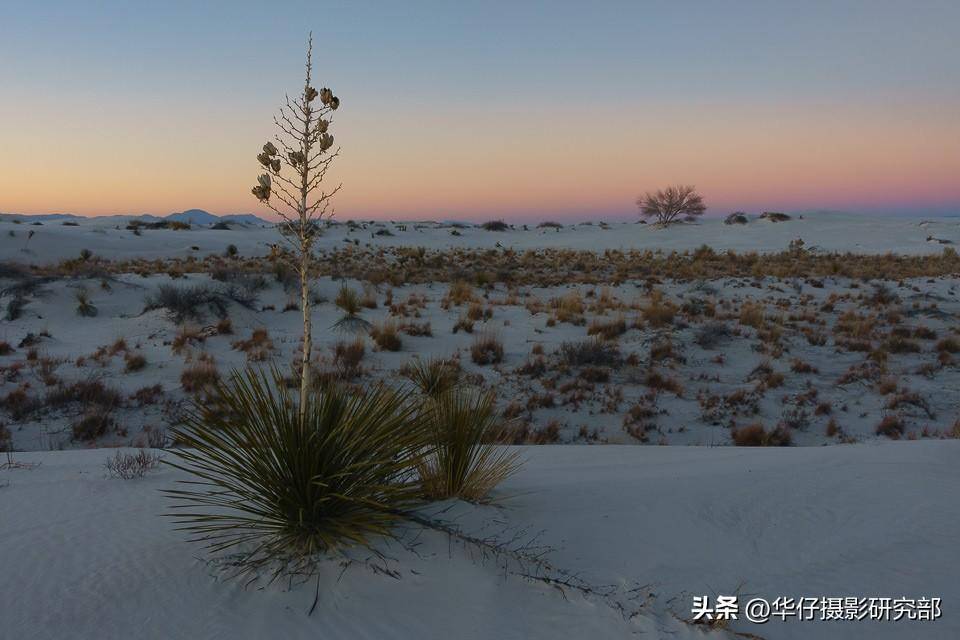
(828, 232)
(86, 556)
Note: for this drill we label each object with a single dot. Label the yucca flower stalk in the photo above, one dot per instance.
(306, 152)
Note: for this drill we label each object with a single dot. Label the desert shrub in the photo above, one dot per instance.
(432, 377)
(128, 466)
(774, 216)
(417, 330)
(755, 435)
(190, 303)
(85, 393)
(891, 426)
(347, 357)
(737, 217)
(609, 329)
(495, 225)
(590, 352)
(386, 335)
(94, 424)
(948, 345)
(899, 344)
(134, 362)
(258, 346)
(463, 464)
(20, 404)
(6, 439)
(459, 293)
(15, 306)
(5, 348)
(659, 311)
(147, 395)
(666, 205)
(486, 349)
(202, 376)
(549, 224)
(752, 314)
(711, 334)
(294, 488)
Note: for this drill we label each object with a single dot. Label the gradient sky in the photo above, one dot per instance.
(521, 110)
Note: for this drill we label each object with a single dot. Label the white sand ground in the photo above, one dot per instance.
(820, 231)
(87, 556)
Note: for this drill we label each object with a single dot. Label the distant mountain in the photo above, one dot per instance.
(194, 216)
(245, 218)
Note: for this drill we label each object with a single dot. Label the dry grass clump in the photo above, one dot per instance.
(753, 314)
(386, 335)
(20, 404)
(891, 426)
(660, 382)
(147, 395)
(569, 308)
(592, 352)
(413, 329)
(948, 345)
(95, 423)
(134, 362)
(711, 334)
(347, 357)
(201, 376)
(659, 311)
(754, 435)
(609, 329)
(188, 336)
(258, 346)
(458, 294)
(486, 349)
(463, 462)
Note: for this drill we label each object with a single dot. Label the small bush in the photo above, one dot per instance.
(608, 330)
(486, 349)
(774, 216)
(200, 377)
(386, 335)
(134, 362)
(495, 225)
(755, 435)
(258, 347)
(95, 424)
(127, 466)
(737, 217)
(891, 426)
(591, 352)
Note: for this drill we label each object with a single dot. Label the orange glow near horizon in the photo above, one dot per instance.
(525, 161)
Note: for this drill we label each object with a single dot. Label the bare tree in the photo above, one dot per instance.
(292, 187)
(667, 204)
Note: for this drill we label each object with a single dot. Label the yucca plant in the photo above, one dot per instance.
(433, 377)
(277, 487)
(349, 302)
(463, 463)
